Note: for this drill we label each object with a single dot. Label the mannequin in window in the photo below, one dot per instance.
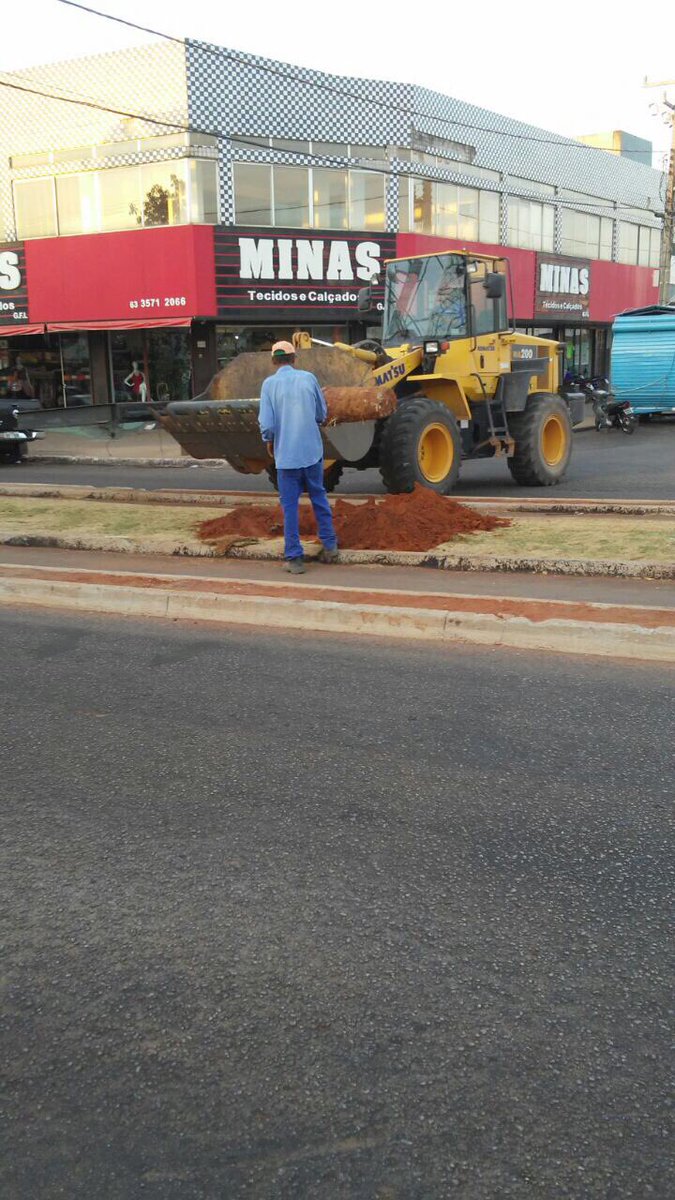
(20, 386)
(136, 381)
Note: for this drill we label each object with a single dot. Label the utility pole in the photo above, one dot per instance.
(669, 206)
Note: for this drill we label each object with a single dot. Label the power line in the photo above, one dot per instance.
(119, 112)
(296, 77)
(314, 159)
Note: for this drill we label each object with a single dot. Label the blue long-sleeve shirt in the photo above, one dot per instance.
(292, 406)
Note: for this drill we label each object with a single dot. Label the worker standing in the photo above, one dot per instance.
(292, 407)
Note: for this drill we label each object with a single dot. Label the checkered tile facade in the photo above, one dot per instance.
(237, 93)
(146, 80)
(229, 93)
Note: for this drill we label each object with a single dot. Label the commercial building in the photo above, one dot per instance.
(174, 204)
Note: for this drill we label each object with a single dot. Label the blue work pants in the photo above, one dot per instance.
(292, 483)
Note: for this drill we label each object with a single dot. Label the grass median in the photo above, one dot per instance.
(631, 539)
(137, 522)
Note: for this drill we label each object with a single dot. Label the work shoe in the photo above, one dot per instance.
(295, 566)
(327, 555)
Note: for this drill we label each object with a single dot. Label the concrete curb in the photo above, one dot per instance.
(465, 562)
(388, 558)
(328, 616)
(112, 545)
(230, 497)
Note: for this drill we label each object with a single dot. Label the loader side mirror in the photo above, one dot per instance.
(364, 299)
(495, 285)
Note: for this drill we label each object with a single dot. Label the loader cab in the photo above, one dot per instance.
(443, 297)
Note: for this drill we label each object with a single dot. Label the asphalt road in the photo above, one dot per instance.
(293, 917)
(607, 464)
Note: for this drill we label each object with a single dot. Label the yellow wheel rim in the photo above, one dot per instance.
(435, 452)
(553, 440)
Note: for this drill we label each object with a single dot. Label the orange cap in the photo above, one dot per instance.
(283, 350)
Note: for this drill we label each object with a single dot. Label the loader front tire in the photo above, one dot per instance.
(543, 437)
(331, 476)
(420, 444)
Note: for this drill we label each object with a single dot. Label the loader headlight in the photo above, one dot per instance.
(431, 347)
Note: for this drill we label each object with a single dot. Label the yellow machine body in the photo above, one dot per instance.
(464, 383)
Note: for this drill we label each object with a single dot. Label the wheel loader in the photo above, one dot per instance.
(451, 379)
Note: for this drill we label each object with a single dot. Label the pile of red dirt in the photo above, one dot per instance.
(417, 520)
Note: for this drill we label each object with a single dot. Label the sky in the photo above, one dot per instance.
(577, 71)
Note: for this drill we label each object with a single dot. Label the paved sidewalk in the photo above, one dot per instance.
(580, 589)
(324, 603)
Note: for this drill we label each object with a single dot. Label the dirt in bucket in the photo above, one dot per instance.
(417, 520)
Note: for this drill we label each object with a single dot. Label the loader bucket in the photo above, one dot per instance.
(220, 424)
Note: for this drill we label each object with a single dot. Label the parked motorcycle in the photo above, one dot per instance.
(14, 441)
(609, 412)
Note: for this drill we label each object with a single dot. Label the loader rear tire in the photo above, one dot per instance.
(543, 437)
(420, 444)
(331, 476)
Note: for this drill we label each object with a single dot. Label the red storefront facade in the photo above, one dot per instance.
(179, 301)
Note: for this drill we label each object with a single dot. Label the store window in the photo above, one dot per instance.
(316, 197)
(203, 191)
(586, 235)
(253, 193)
(30, 370)
(366, 200)
(649, 246)
(162, 358)
(488, 218)
(78, 203)
(164, 194)
(444, 214)
(531, 225)
(291, 197)
(404, 204)
(160, 193)
(120, 197)
(447, 210)
(75, 365)
(422, 205)
(35, 208)
(329, 194)
(606, 232)
(467, 219)
(628, 242)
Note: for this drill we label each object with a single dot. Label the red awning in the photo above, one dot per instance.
(146, 323)
(13, 330)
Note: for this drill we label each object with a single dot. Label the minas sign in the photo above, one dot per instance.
(294, 277)
(13, 290)
(563, 287)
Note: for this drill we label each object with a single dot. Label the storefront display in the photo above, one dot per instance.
(152, 314)
(151, 365)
